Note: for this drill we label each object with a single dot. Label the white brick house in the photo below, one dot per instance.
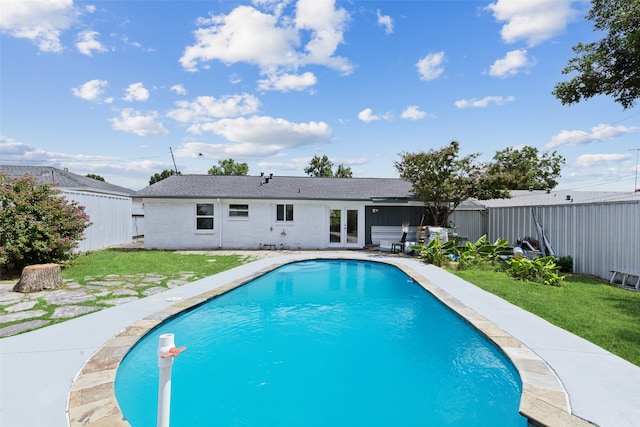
(251, 212)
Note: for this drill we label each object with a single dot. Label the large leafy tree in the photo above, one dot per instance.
(162, 175)
(610, 66)
(343, 172)
(322, 167)
(96, 177)
(38, 225)
(229, 167)
(525, 168)
(443, 180)
(319, 167)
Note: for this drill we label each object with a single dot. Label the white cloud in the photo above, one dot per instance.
(244, 35)
(367, 116)
(385, 21)
(588, 160)
(598, 133)
(413, 112)
(270, 41)
(179, 89)
(10, 147)
(430, 67)
(287, 82)
(484, 102)
(91, 90)
(533, 20)
(87, 44)
(137, 123)
(136, 92)
(511, 64)
(258, 136)
(208, 108)
(41, 21)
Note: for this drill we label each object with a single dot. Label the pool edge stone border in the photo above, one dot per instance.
(92, 401)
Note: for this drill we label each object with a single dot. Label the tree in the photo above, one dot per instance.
(162, 175)
(319, 167)
(343, 172)
(443, 180)
(96, 177)
(525, 168)
(229, 167)
(38, 224)
(610, 66)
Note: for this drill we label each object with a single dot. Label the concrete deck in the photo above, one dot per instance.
(37, 369)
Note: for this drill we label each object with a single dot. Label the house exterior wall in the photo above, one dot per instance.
(170, 224)
(110, 217)
(137, 219)
(599, 237)
(407, 216)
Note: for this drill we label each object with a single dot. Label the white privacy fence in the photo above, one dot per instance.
(110, 216)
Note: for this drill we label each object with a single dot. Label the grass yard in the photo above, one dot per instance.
(596, 311)
(118, 262)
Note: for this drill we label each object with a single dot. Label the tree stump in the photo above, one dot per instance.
(39, 277)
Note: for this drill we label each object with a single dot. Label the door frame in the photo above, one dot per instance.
(344, 243)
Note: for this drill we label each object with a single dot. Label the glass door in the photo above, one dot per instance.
(344, 227)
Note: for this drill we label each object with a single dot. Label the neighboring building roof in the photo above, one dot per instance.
(280, 187)
(64, 179)
(561, 197)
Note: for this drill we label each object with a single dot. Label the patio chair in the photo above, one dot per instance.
(400, 244)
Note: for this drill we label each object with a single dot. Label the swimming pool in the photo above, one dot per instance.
(325, 342)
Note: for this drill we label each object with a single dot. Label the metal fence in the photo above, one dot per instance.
(599, 237)
(110, 217)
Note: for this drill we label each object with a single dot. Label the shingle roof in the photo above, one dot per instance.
(64, 179)
(279, 187)
(560, 197)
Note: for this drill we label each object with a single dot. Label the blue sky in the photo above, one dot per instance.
(107, 87)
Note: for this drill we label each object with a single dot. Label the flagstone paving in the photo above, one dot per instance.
(24, 312)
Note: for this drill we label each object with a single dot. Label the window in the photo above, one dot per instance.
(204, 216)
(284, 213)
(238, 210)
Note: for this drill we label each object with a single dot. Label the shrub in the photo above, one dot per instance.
(541, 270)
(481, 252)
(566, 264)
(435, 252)
(38, 224)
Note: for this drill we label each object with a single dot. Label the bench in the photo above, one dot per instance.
(625, 276)
(269, 246)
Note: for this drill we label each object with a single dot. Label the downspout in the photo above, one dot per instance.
(220, 224)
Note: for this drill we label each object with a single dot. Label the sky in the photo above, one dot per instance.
(126, 89)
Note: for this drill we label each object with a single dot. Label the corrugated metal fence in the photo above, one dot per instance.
(110, 216)
(598, 236)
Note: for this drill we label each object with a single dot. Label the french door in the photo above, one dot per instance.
(344, 227)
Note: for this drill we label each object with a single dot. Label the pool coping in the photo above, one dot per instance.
(92, 401)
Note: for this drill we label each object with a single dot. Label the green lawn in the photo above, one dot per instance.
(596, 311)
(118, 262)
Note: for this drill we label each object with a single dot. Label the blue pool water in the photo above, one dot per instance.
(324, 343)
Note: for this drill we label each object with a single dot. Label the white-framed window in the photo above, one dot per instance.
(284, 213)
(204, 216)
(238, 211)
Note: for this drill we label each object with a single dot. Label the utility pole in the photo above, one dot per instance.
(174, 161)
(635, 185)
